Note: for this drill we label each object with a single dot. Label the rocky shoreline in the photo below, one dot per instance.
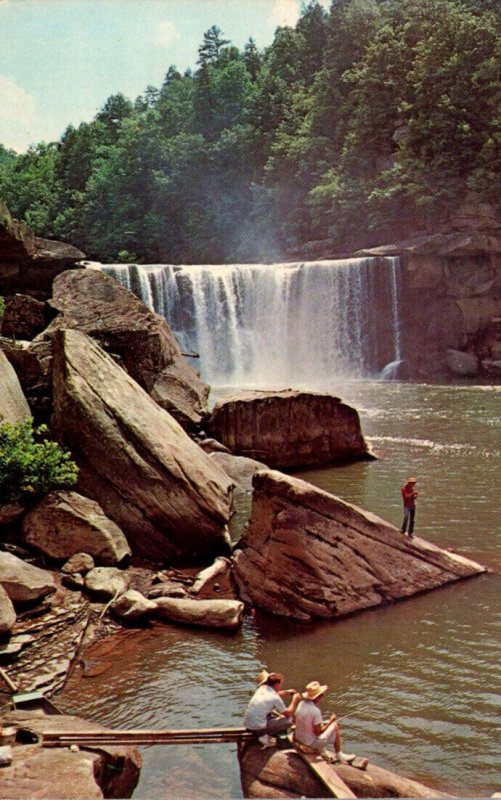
(157, 476)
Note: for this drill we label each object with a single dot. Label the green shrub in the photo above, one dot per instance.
(2, 307)
(31, 465)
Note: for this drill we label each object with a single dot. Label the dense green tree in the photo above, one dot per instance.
(367, 121)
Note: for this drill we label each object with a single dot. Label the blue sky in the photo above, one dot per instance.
(61, 59)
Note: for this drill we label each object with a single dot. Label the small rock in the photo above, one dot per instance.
(80, 562)
(106, 582)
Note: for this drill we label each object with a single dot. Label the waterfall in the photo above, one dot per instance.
(277, 324)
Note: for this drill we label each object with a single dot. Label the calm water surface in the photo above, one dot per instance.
(422, 677)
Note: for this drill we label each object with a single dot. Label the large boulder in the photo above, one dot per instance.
(7, 612)
(308, 554)
(23, 582)
(13, 404)
(464, 364)
(95, 303)
(276, 773)
(24, 317)
(41, 772)
(289, 428)
(163, 491)
(32, 362)
(65, 523)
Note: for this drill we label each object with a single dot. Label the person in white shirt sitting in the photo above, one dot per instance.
(267, 713)
(312, 733)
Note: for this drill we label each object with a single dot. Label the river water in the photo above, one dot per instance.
(422, 677)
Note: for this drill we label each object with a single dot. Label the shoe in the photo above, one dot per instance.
(328, 756)
(347, 758)
(267, 741)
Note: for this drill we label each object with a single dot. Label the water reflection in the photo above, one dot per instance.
(426, 670)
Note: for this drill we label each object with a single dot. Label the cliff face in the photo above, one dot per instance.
(451, 293)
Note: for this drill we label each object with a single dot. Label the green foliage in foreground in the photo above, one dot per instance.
(360, 124)
(2, 307)
(30, 464)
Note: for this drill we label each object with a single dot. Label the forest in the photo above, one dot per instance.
(361, 125)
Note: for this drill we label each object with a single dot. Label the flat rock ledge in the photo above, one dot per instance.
(289, 428)
(39, 772)
(307, 554)
(273, 773)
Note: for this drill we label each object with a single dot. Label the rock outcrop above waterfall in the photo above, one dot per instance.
(28, 263)
(289, 428)
(142, 342)
(450, 295)
(307, 554)
(284, 774)
(87, 774)
(167, 495)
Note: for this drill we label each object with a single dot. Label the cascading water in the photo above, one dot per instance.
(270, 324)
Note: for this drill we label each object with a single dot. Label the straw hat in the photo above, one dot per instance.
(262, 677)
(265, 676)
(314, 690)
(411, 480)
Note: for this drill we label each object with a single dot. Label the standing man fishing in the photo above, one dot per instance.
(409, 495)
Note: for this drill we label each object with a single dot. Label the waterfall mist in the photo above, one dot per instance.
(277, 324)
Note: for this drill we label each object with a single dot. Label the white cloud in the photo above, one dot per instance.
(166, 34)
(18, 114)
(284, 12)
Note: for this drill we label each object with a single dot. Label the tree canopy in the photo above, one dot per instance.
(360, 124)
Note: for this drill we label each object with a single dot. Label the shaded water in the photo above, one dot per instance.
(426, 671)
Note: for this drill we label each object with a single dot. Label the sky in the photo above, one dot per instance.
(61, 59)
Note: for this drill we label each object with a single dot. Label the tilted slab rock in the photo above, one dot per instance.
(7, 612)
(23, 582)
(276, 773)
(13, 404)
(65, 523)
(50, 772)
(164, 492)
(308, 554)
(226, 614)
(289, 428)
(95, 303)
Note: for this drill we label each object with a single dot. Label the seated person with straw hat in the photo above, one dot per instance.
(267, 713)
(312, 734)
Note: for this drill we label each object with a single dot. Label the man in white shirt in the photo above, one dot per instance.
(312, 734)
(267, 713)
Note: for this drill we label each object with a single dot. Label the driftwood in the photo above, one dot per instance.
(221, 564)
